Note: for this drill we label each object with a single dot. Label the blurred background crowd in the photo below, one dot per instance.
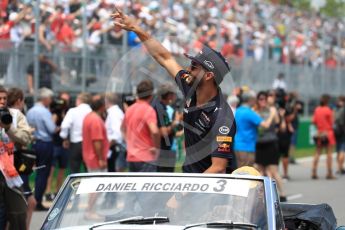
(260, 39)
(240, 28)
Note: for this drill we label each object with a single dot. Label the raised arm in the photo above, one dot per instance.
(155, 48)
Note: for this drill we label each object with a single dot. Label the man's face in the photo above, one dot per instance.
(197, 72)
(3, 100)
(47, 101)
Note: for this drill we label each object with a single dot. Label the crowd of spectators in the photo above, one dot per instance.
(255, 29)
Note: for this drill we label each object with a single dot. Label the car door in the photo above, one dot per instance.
(277, 209)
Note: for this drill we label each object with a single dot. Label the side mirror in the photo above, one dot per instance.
(340, 228)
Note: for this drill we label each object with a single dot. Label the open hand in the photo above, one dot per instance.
(124, 21)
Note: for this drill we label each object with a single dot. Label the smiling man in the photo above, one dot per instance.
(208, 120)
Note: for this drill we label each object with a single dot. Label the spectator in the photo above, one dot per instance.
(16, 101)
(285, 131)
(6, 26)
(331, 61)
(95, 146)
(141, 131)
(167, 157)
(339, 131)
(279, 83)
(294, 108)
(95, 141)
(13, 208)
(58, 108)
(71, 127)
(113, 126)
(41, 119)
(115, 36)
(247, 123)
(44, 32)
(267, 153)
(324, 140)
(233, 102)
(47, 68)
(277, 48)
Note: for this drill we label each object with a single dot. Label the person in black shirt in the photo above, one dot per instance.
(167, 156)
(58, 108)
(208, 121)
(47, 68)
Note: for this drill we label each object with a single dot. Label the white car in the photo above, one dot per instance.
(102, 201)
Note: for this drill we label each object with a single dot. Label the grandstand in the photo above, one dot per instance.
(260, 40)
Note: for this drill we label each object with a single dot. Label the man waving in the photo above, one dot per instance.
(208, 120)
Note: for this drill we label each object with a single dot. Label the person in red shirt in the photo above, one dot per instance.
(331, 61)
(6, 26)
(95, 141)
(95, 147)
(141, 131)
(325, 139)
(228, 47)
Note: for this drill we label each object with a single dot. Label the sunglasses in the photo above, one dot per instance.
(262, 99)
(194, 66)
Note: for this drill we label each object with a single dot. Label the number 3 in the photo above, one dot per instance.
(221, 186)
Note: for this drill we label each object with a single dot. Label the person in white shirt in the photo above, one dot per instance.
(113, 125)
(279, 82)
(71, 130)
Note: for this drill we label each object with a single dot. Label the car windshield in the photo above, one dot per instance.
(184, 200)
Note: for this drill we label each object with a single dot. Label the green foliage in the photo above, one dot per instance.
(334, 8)
(301, 4)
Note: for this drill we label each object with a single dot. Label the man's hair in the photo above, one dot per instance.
(45, 93)
(13, 95)
(324, 100)
(97, 102)
(341, 98)
(233, 100)
(112, 98)
(165, 90)
(247, 96)
(145, 89)
(85, 98)
(3, 89)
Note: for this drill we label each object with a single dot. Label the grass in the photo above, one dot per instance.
(305, 152)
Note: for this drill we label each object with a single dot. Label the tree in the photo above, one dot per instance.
(331, 8)
(334, 8)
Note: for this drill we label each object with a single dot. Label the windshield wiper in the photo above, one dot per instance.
(223, 224)
(135, 220)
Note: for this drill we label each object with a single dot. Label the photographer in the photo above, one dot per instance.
(15, 100)
(294, 108)
(14, 131)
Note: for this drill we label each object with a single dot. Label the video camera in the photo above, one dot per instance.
(58, 106)
(5, 116)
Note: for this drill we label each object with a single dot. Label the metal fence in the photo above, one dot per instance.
(109, 68)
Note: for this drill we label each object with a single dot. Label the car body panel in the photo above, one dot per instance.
(270, 194)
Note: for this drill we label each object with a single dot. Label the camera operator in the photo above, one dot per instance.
(14, 131)
(59, 109)
(294, 108)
